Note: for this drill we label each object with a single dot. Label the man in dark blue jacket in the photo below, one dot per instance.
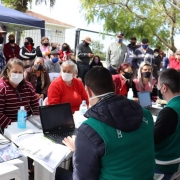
(116, 142)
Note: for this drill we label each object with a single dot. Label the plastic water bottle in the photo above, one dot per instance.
(21, 118)
(130, 94)
(83, 107)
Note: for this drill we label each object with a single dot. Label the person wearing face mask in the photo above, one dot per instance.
(2, 57)
(67, 88)
(115, 140)
(166, 128)
(145, 81)
(27, 53)
(157, 60)
(116, 54)
(38, 77)
(96, 62)
(175, 63)
(131, 50)
(143, 53)
(44, 49)
(84, 55)
(11, 49)
(122, 79)
(15, 92)
(52, 64)
(64, 52)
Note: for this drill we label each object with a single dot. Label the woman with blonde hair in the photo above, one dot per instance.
(44, 49)
(144, 81)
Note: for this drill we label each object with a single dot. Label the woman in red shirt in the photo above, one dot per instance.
(121, 80)
(175, 63)
(67, 88)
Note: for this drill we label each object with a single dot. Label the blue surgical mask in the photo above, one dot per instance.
(144, 46)
(55, 60)
(119, 40)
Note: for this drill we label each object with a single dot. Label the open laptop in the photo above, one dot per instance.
(57, 121)
(145, 102)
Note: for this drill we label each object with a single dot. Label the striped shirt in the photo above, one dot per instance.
(12, 98)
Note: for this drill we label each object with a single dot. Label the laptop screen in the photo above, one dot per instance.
(144, 99)
(56, 117)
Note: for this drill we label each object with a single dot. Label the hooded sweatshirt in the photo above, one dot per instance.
(115, 142)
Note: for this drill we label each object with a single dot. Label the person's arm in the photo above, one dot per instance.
(31, 54)
(4, 120)
(22, 54)
(87, 143)
(80, 53)
(134, 90)
(33, 100)
(47, 83)
(5, 51)
(17, 50)
(165, 125)
(27, 75)
(54, 93)
(108, 54)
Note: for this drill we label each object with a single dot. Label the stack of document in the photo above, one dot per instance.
(42, 150)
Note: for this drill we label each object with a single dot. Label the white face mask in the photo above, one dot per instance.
(155, 55)
(67, 76)
(100, 95)
(16, 78)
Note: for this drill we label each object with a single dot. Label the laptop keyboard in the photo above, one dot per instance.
(61, 135)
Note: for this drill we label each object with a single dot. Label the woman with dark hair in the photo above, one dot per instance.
(64, 52)
(38, 77)
(122, 79)
(15, 92)
(96, 62)
(27, 52)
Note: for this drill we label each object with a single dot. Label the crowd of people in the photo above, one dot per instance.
(119, 136)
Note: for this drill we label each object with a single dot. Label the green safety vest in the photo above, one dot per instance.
(169, 149)
(128, 155)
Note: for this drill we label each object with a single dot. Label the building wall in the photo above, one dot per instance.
(54, 33)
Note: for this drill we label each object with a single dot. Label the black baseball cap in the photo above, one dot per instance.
(145, 40)
(133, 38)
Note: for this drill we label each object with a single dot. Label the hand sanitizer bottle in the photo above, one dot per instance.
(21, 118)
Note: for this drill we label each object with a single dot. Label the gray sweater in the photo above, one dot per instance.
(116, 55)
(52, 67)
(82, 52)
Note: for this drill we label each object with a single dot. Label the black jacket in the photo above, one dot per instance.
(115, 111)
(24, 54)
(82, 52)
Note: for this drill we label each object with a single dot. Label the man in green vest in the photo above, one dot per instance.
(116, 142)
(167, 126)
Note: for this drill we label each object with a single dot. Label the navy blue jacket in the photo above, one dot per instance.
(115, 111)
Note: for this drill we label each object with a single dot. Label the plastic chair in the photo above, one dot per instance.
(45, 101)
(176, 175)
(22, 164)
(8, 171)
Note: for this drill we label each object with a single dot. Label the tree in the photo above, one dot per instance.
(156, 20)
(97, 49)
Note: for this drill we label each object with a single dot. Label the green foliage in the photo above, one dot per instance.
(156, 20)
(97, 49)
(21, 5)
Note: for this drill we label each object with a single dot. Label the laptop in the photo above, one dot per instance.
(57, 121)
(145, 102)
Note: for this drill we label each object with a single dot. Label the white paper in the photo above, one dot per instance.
(53, 76)
(39, 148)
